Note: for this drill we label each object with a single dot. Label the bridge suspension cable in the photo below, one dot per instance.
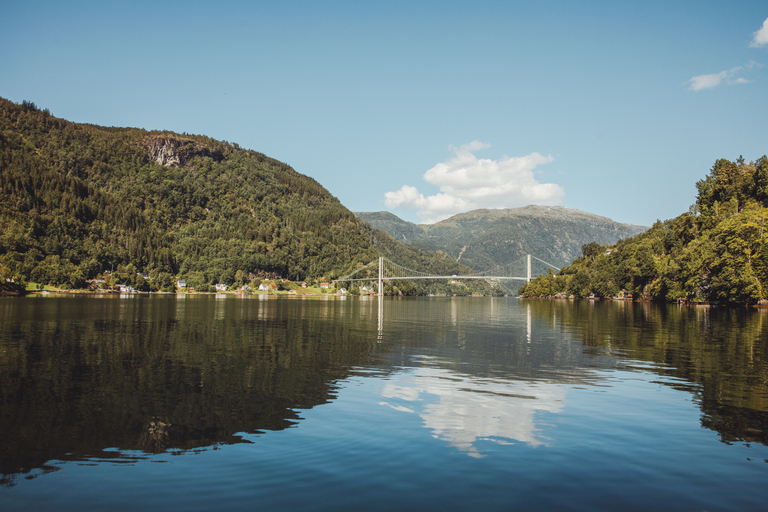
(388, 271)
(544, 262)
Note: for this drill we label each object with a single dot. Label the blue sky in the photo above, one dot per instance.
(422, 108)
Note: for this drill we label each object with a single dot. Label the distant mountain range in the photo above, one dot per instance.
(484, 239)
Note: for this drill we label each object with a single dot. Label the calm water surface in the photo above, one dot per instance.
(257, 403)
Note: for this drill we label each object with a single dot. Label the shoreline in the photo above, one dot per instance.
(759, 305)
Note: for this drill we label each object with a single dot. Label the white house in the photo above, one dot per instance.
(221, 287)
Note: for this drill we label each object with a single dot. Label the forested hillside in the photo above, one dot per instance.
(485, 239)
(715, 252)
(77, 200)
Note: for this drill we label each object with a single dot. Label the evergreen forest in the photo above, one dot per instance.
(79, 201)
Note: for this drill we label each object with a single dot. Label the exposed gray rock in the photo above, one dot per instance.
(173, 152)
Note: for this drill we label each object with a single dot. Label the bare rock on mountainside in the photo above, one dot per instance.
(173, 152)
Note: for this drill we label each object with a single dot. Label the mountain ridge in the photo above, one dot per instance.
(78, 201)
(485, 238)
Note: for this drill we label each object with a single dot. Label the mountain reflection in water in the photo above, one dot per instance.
(81, 375)
(718, 354)
(105, 378)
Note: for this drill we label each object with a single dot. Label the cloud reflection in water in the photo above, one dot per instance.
(463, 409)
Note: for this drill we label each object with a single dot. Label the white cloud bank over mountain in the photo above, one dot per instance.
(467, 183)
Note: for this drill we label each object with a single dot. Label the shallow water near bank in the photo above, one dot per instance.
(233, 403)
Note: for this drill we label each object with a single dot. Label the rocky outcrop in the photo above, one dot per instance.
(173, 152)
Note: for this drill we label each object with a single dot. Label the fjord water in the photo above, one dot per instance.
(209, 402)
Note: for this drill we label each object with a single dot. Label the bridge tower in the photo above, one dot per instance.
(528, 279)
(381, 275)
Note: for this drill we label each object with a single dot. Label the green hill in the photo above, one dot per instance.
(484, 239)
(77, 200)
(718, 251)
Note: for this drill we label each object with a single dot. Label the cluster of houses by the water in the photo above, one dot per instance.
(221, 287)
(181, 286)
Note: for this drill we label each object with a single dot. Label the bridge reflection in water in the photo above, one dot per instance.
(380, 317)
(451, 401)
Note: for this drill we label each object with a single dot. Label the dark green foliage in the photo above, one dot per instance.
(543, 286)
(79, 200)
(10, 282)
(715, 252)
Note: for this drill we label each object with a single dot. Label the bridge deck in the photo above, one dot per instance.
(410, 274)
(433, 277)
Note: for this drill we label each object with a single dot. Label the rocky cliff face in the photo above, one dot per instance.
(172, 152)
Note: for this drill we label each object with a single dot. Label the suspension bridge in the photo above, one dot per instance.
(386, 270)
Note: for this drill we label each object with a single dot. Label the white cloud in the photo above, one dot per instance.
(761, 36)
(467, 183)
(701, 82)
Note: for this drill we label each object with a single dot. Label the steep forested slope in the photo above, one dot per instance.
(78, 199)
(717, 251)
(484, 239)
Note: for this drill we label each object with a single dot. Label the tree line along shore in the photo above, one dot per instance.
(715, 253)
